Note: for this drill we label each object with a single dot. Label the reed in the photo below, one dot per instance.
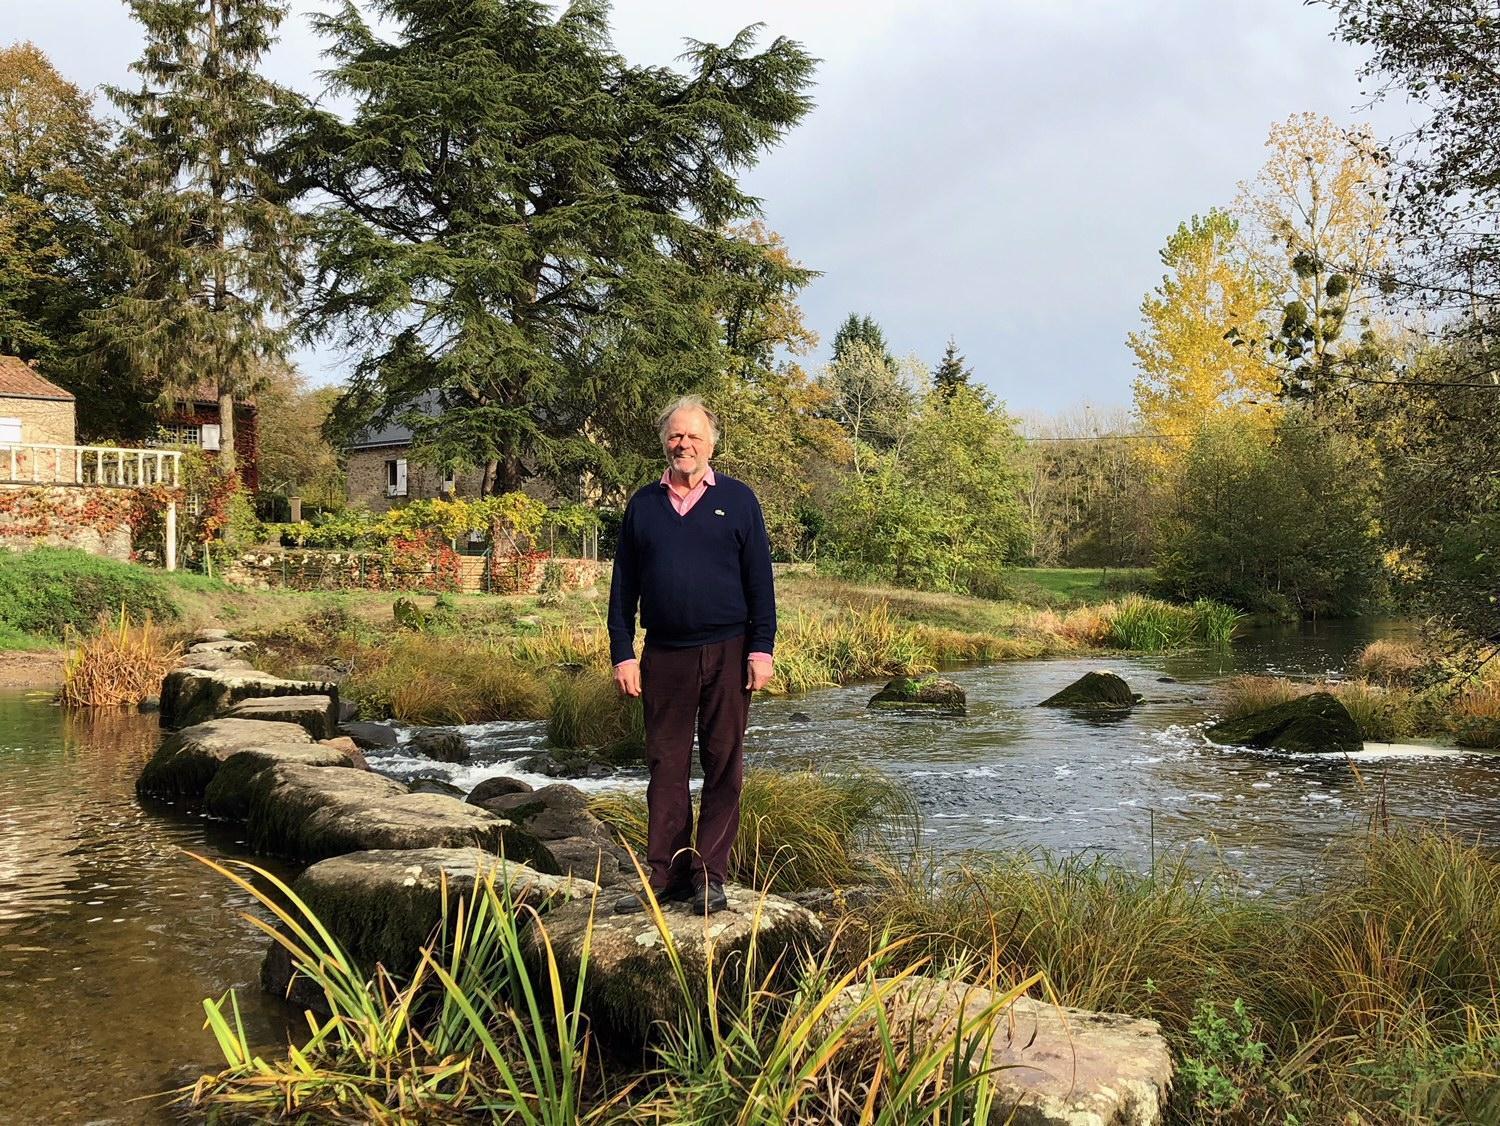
(800, 829)
(119, 663)
(1393, 664)
(420, 678)
(1149, 625)
(1476, 715)
(587, 710)
(480, 1031)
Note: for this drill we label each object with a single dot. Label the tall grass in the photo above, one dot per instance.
(1377, 995)
(587, 710)
(799, 829)
(117, 663)
(1392, 664)
(480, 1030)
(1475, 719)
(425, 679)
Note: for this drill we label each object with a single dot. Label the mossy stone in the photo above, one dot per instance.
(1101, 689)
(1316, 723)
(187, 760)
(928, 693)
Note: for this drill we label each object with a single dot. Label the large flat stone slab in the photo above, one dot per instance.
(317, 715)
(310, 813)
(1055, 1066)
(631, 990)
(228, 795)
(215, 662)
(383, 906)
(190, 696)
(187, 760)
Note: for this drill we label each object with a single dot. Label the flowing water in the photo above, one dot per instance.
(111, 936)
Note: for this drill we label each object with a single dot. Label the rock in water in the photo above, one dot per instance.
(631, 986)
(315, 714)
(559, 817)
(443, 746)
(1053, 1066)
(370, 736)
(1313, 723)
(384, 905)
(435, 786)
(488, 788)
(1094, 690)
(228, 795)
(928, 693)
(187, 760)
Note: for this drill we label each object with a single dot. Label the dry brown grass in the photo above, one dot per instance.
(119, 664)
(1392, 663)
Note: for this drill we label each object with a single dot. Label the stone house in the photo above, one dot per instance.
(193, 422)
(33, 411)
(381, 475)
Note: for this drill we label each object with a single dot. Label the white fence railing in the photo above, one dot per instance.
(114, 466)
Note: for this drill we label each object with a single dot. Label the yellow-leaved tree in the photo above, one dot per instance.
(1315, 228)
(1191, 366)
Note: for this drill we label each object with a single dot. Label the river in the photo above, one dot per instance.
(111, 936)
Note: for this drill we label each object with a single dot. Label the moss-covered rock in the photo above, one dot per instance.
(927, 693)
(487, 788)
(311, 813)
(384, 906)
(631, 988)
(318, 715)
(190, 696)
(228, 795)
(1318, 722)
(1101, 689)
(187, 760)
(1052, 1066)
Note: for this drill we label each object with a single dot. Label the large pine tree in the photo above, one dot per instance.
(953, 371)
(517, 225)
(213, 246)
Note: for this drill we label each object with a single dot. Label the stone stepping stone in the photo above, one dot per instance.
(228, 795)
(384, 905)
(187, 760)
(370, 736)
(317, 715)
(631, 990)
(220, 645)
(190, 696)
(310, 813)
(1055, 1066)
(214, 661)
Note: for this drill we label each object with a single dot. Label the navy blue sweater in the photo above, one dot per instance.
(699, 578)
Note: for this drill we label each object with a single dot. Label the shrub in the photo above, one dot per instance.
(117, 664)
(51, 590)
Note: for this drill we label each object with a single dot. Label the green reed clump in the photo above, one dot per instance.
(1379, 987)
(1215, 623)
(799, 829)
(587, 710)
(420, 678)
(490, 1026)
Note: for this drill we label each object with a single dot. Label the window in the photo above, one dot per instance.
(173, 436)
(449, 485)
(395, 477)
(10, 431)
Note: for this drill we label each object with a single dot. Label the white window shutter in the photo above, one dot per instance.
(401, 477)
(209, 436)
(10, 431)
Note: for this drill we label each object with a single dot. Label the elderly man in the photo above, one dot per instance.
(694, 555)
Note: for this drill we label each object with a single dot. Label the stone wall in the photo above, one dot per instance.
(365, 473)
(44, 422)
(95, 520)
(312, 569)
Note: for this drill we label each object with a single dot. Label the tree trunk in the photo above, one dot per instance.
(228, 462)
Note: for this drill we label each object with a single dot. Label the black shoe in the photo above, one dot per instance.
(636, 900)
(708, 899)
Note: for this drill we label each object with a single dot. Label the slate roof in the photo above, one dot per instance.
(19, 381)
(394, 433)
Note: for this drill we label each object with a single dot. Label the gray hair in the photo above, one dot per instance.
(687, 403)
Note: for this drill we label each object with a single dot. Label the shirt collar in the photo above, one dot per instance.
(708, 477)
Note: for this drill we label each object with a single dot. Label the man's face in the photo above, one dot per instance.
(689, 442)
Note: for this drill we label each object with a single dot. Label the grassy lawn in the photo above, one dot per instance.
(1074, 585)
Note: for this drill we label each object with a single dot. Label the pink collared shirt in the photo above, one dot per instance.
(682, 504)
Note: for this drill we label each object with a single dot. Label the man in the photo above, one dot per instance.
(694, 554)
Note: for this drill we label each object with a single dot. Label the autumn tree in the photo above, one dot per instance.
(294, 455)
(1314, 226)
(517, 223)
(213, 247)
(874, 398)
(60, 259)
(1191, 368)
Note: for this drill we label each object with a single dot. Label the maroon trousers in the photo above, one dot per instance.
(702, 687)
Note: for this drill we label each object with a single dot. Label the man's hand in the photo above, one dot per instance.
(628, 678)
(759, 674)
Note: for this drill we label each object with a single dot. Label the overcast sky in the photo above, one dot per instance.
(1003, 172)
